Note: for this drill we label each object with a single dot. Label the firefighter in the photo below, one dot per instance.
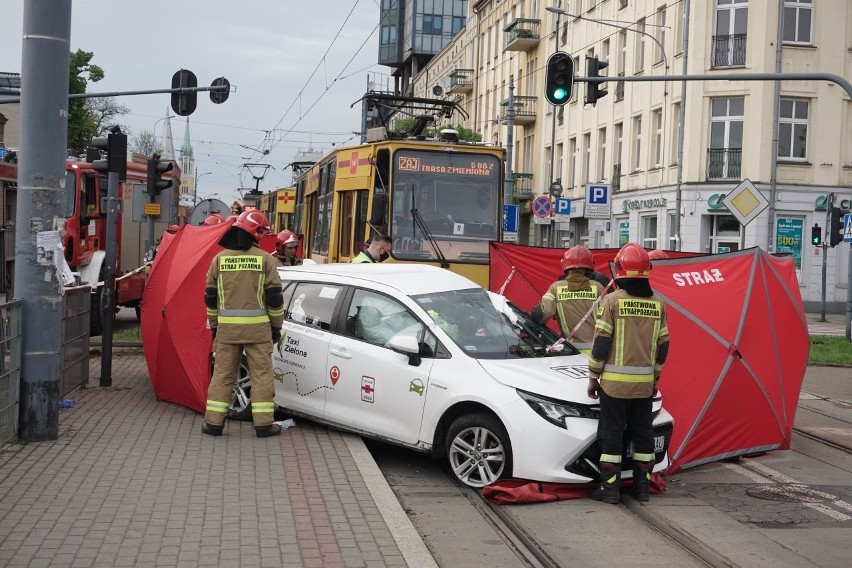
(214, 219)
(245, 309)
(286, 244)
(378, 250)
(571, 298)
(630, 346)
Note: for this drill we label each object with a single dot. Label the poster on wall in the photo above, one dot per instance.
(788, 239)
(623, 233)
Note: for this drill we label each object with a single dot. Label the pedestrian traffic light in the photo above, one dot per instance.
(114, 145)
(559, 78)
(593, 88)
(835, 226)
(156, 169)
(816, 235)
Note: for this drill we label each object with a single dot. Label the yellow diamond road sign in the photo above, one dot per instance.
(745, 202)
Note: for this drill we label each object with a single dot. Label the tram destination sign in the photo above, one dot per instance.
(445, 164)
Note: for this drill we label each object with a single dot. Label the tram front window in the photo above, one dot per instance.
(457, 196)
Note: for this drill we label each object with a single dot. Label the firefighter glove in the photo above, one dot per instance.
(213, 331)
(276, 334)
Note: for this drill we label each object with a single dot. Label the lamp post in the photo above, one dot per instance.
(552, 239)
(195, 185)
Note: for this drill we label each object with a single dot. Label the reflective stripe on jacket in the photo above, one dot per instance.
(569, 299)
(362, 257)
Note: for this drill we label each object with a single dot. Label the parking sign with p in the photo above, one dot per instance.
(598, 201)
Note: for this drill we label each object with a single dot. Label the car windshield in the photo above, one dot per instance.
(485, 326)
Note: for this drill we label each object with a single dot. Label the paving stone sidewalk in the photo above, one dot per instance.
(133, 482)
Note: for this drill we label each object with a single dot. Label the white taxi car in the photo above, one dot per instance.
(419, 356)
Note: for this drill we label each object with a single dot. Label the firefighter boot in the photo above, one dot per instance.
(608, 492)
(212, 429)
(642, 479)
(266, 431)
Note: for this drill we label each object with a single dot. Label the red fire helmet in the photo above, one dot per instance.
(214, 219)
(285, 238)
(632, 262)
(577, 257)
(254, 223)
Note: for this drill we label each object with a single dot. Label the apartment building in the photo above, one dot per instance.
(669, 150)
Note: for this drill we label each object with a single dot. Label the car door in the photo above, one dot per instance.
(379, 391)
(299, 359)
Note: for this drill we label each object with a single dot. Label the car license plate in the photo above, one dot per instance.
(659, 445)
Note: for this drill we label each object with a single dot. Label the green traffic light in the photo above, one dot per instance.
(560, 94)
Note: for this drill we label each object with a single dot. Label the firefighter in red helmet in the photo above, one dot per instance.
(214, 219)
(657, 254)
(286, 244)
(245, 309)
(630, 346)
(571, 298)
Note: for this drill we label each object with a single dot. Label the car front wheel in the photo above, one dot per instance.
(478, 449)
(241, 395)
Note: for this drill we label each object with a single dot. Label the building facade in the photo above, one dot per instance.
(670, 151)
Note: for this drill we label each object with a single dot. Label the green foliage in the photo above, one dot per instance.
(82, 124)
(830, 350)
(401, 126)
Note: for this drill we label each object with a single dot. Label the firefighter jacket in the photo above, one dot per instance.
(290, 261)
(637, 328)
(243, 296)
(569, 299)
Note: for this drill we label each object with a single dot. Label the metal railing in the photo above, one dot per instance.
(76, 318)
(729, 51)
(522, 186)
(619, 88)
(461, 80)
(724, 163)
(10, 368)
(616, 177)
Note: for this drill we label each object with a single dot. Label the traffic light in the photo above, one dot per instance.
(593, 88)
(816, 235)
(114, 145)
(559, 78)
(156, 169)
(835, 226)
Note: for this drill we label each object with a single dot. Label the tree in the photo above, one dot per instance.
(145, 143)
(87, 117)
(402, 126)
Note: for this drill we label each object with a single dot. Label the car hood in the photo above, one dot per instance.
(562, 378)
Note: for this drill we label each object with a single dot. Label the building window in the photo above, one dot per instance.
(560, 163)
(798, 20)
(602, 154)
(726, 138)
(433, 24)
(458, 24)
(675, 132)
(680, 29)
(657, 149)
(659, 54)
(729, 43)
(572, 161)
(637, 143)
(793, 130)
(616, 157)
(725, 234)
(388, 35)
(649, 231)
(672, 233)
(575, 95)
(587, 152)
(640, 46)
(622, 55)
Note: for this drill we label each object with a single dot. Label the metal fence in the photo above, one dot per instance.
(76, 307)
(10, 368)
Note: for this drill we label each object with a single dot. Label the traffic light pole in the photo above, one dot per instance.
(508, 182)
(829, 200)
(108, 297)
(41, 176)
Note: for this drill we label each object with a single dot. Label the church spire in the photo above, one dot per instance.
(186, 149)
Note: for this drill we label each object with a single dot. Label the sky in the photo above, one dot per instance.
(295, 68)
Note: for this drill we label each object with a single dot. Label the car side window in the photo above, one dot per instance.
(375, 318)
(314, 304)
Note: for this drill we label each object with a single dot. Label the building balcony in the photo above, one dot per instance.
(619, 88)
(522, 34)
(728, 51)
(461, 81)
(616, 177)
(724, 163)
(524, 109)
(522, 186)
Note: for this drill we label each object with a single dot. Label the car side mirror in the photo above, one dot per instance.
(406, 345)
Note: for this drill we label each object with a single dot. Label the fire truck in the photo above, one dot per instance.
(84, 238)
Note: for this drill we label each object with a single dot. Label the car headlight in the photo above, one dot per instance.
(556, 411)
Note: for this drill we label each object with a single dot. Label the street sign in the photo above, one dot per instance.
(598, 203)
(745, 202)
(542, 207)
(563, 206)
(510, 218)
(152, 209)
(847, 228)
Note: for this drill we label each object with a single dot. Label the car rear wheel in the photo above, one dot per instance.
(478, 449)
(241, 395)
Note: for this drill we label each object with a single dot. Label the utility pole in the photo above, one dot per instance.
(829, 203)
(41, 170)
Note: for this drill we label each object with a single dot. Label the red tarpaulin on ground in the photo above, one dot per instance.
(739, 344)
(517, 491)
(175, 337)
